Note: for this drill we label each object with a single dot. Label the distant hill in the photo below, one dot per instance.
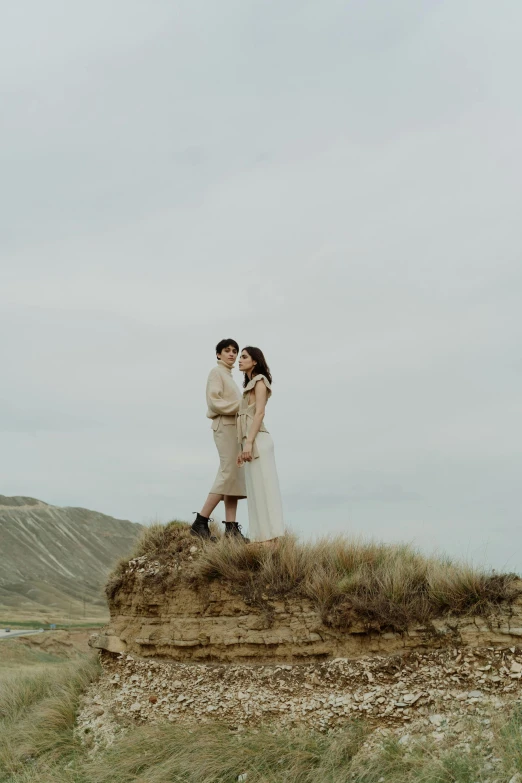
(54, 561)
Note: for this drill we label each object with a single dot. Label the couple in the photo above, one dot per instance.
(246, 451)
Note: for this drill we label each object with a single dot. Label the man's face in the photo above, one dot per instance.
(228, 355)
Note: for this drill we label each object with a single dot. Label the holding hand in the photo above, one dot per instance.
(239, 460)
(247, 451)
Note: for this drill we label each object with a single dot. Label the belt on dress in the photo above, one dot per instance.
(242, 430)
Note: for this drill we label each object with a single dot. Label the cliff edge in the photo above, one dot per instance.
(188, 601)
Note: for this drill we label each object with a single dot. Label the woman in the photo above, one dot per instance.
(265, 511)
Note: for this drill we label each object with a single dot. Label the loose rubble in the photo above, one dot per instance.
(434, 692)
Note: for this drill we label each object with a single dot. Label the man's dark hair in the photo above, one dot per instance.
(222, 344)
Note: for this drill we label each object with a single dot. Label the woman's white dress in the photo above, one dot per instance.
(265, 509)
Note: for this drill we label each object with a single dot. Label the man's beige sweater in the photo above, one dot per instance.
(223, 395)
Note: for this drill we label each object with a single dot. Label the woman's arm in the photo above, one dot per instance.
(261, 395)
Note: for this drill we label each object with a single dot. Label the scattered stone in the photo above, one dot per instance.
(411, 698)
(419, 689)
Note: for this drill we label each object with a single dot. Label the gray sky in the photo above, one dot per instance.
(336, 182)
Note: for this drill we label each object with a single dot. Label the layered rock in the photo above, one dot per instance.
(158, 612)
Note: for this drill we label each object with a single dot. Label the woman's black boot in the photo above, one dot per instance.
(233, 529)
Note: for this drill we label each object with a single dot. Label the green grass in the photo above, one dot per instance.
(35, 624)
(214, 755)
(22, 624)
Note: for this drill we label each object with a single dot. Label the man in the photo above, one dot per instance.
(223, 397)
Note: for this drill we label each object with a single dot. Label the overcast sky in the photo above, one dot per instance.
(337, 182)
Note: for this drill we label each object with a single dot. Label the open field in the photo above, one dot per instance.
(68, 624)
(61, 645)
(52, 606)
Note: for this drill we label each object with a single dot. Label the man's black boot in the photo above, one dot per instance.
(200, 527)
(233, 529)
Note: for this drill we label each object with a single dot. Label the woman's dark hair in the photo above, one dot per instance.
(222, 344)
(261, 368)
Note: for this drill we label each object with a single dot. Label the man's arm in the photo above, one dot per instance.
(215, 401)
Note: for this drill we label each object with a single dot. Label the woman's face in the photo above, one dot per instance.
(246, 363)
(228, 355)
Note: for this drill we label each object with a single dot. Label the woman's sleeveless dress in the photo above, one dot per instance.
(265, 509)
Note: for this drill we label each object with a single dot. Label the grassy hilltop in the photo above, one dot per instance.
(380, 585)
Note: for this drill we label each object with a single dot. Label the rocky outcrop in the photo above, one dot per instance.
(189, 646)
(160, 614)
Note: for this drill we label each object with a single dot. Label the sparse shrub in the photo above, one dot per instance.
(157, 538)
(229, 559)
(115, 579)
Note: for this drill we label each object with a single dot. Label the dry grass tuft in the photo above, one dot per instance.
(349, 580)
(211, 754)
(38, 707)
(158, 538)
(382, 585)
(116, 577)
